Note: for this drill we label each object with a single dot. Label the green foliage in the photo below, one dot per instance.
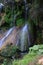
(34, 48)
(34, 52)
(37, 49)
(20, 22)
(8, 20)
(7, 62)
(9, 51)
(26, 59)
(7, 9)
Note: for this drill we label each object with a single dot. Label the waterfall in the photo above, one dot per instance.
(24, 38)
(7, 34)
(24, 34)
(1, 5)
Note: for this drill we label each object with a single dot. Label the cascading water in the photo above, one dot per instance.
(7, 34)
(24, 38)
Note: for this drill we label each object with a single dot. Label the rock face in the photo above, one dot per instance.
(36, 13)
(2, 20)
(12, 38)
(41, 17)
(1, 35)
(18, 37)
(40, 61)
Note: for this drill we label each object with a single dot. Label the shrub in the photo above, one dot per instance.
(37, 49)
(9, 51)
(20, 22)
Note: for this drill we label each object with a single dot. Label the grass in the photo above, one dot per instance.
(31, 58)
(26, 59)
(34, 52)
